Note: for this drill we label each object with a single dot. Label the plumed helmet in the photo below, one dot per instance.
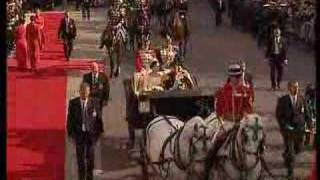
(234, 69)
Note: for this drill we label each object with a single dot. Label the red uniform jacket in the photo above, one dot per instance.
(242, 101)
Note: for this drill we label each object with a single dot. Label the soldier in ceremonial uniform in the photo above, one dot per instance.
(234, 99)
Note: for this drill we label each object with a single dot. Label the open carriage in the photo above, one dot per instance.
(142, 108)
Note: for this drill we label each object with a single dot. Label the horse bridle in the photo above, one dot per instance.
(243, 152)
(192, 150)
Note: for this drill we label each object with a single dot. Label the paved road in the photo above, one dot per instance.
(210, 51)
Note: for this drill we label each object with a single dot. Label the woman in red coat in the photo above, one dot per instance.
(39, 19)
(34, 42)
(21, 45)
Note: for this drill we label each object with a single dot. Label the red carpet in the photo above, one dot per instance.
(37, 112)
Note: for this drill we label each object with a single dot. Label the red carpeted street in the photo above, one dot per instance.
(37, 111)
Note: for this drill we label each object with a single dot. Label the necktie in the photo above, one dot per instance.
(294, 101)
(83, 116)
(67, 25)
(94, 79)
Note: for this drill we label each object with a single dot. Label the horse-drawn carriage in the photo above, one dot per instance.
(144, 107)
(174, 134)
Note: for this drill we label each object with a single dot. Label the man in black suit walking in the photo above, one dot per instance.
(277, 55)
(84, 126)
(67, 32)
(292, 118)
(99, 84)
(86, 4)
(219, 9)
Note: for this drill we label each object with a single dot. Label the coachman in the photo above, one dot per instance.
(234, 99)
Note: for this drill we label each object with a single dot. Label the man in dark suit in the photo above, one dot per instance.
(86, 4)
(84, 126)
(67, 32)
(99, 84)
(219, 9)
(277, 55)
(292, 119)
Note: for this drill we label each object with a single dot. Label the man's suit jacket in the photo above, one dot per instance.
(62, 32)
(94, 124)
(218, 8)
(271, 48)
(101, 88)
(289, 115)
(86, 2)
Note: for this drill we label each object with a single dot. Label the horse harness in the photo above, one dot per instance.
(176, 151)
(230, 137)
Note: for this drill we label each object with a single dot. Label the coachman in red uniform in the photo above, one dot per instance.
(234, 100)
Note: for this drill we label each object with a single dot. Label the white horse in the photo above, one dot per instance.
(239, 156)
(216, 127)
(175, 148)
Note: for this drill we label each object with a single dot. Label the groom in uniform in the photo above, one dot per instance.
(84, 126)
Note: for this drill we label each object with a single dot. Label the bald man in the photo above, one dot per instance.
(99, 84)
